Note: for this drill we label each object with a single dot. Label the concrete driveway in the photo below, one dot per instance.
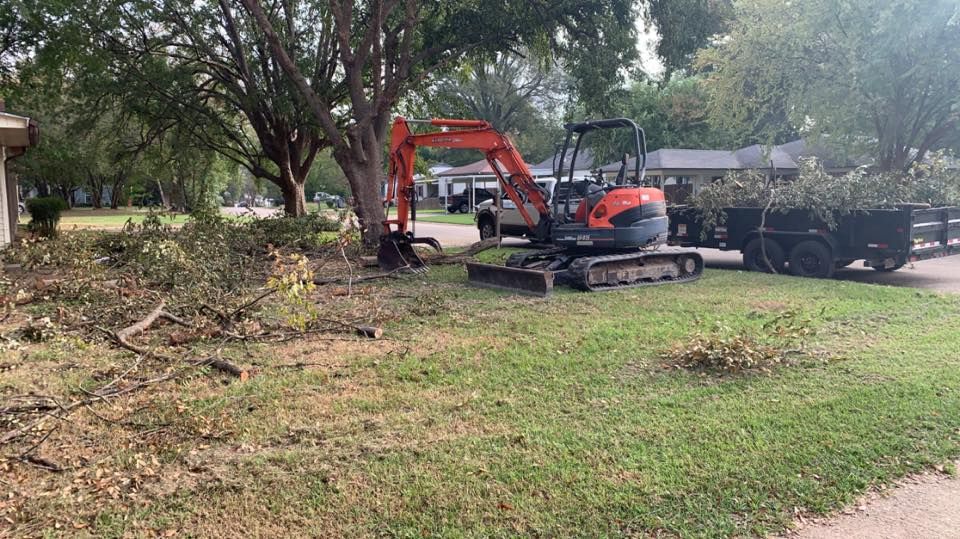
(939, 274)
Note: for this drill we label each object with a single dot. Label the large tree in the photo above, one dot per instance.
(876, 76)
(379, 50)
(685, 26)
(515, 93)
(674, 115)
(203, 68)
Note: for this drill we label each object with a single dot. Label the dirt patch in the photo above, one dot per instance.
(922, 506)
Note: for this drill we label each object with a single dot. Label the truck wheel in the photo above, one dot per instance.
(464, 207)
(886, 269)
(811, 259)
(487, 229)
(753, 256)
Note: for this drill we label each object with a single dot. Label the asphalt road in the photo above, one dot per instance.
(939, 274)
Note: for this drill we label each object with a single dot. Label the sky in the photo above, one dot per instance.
(646, 44)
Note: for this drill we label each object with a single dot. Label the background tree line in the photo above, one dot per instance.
(192, 99)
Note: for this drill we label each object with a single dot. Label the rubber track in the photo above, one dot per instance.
(577, 272)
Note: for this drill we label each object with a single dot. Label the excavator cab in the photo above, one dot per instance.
(619, 215)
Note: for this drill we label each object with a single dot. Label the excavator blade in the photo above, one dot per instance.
(519, 280)
(396, 252)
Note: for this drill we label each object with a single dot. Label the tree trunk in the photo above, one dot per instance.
(294, 202)
(95, 183)
(364, 178)
(291, 186)
(164, 197)
(116, 190)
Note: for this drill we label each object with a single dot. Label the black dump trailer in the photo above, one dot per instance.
(885, 239)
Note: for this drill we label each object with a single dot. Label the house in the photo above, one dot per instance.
(682, 172)
(548, 166)
(17, 133)
(426, 185)
(448, 181)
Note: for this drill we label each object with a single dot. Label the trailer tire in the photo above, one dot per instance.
(753, 256)
(811, 259)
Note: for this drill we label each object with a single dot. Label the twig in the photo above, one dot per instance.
(360, 279)
(124, 334)
(763, 225)
(41, 463)
(249, 304)
(349, 269)
(175, 319)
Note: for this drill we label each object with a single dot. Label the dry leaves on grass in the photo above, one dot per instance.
(723, 350)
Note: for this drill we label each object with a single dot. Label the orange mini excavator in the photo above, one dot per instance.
(612, 239)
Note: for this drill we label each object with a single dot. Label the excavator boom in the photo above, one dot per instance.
(396, 244)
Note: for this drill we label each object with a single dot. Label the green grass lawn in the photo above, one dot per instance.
(441, 216)
(483, 414)
(105, 218)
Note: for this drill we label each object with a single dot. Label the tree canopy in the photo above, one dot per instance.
(382, 49)
(685, 26)
(516, 94)
(873, 76)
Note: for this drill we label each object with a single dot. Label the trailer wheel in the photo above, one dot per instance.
(811, 259)
(753, 256)
(886, 269)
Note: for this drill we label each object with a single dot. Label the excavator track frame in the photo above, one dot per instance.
(686, 265)
(536, 272)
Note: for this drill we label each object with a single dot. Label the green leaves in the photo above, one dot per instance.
(877, 76)
(829, 196)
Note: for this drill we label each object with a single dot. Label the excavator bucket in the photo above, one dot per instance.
(520, 280)
(396, 252)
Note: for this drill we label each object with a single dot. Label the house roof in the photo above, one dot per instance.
(784, 157)
(763, 157)
(477, 168)
(584, 161)
(679, 159)
(18, 131)
(800, 149)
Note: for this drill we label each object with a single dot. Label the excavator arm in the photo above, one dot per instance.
(506, 162)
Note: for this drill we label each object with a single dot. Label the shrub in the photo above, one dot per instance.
(45, 214)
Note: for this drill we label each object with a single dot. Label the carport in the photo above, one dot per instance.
(17, 133)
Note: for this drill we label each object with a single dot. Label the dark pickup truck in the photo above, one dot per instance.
(885, 239)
